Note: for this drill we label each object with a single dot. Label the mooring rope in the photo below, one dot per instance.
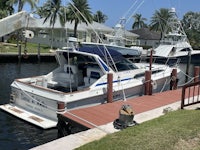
(164, 85)
(51, 108)
(186, 82)
(94, 125)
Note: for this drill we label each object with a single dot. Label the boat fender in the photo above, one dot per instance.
(173, 82)
(154, 84)
(173, 78)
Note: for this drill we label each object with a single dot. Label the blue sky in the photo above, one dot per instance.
(116, 9)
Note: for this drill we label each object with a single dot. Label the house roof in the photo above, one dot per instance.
(25, 20)
(146, 34)
(39, 23)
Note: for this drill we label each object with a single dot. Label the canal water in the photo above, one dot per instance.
(16, 134)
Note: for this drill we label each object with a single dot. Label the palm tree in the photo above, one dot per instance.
(100, 17)
(159, 20)
(191, 25)
(5, 9)
(78, 12)
(53, 10)
(41, 12)
(139, 22)
(21, 3)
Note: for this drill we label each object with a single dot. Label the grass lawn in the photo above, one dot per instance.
(31, 48)
(177, 130)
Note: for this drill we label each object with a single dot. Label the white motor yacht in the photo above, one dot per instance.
(80, 81)
(174, 44)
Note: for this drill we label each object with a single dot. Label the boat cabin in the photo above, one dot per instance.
(81, 69)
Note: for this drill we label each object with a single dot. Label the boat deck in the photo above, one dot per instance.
(94, 116)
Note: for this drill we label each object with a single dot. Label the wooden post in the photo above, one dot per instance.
(151, 59)
(148, 88)
(188, 66)
(19, 52)
(61, 106)
(196, 73)
(110, 88)
(38, 52)
(173, 82)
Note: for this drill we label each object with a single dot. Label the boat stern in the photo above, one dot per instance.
(25, 115)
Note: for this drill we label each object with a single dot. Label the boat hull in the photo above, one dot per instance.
(40, 106)
(194, 59)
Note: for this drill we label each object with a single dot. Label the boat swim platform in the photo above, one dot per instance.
(39, 121)
(102, 114)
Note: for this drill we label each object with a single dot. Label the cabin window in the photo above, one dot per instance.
(124, 64)
(78, 59)
(95, 75)
(156, 71)
(139, 75)
(69, 70)
(185, 50)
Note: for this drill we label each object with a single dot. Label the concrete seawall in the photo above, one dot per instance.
(29, 58)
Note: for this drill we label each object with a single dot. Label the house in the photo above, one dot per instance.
(57, 37)
(147, 37)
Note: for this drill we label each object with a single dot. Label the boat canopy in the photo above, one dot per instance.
(163, 50)
(110, 56)
(121, 49)
(106, 54)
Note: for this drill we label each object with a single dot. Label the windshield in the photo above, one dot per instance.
(123, 65)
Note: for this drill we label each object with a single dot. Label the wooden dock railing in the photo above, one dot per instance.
(190, 94)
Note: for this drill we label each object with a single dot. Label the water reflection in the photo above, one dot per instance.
(15, 133)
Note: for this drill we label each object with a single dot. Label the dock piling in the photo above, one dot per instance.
(148, 86)
(61, 106)
(188, 66)
(196, 73)
(174, 80)
(110, 88)
(38, 55)
(19, 53)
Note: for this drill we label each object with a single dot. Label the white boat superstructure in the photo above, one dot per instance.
(79, 81)
(174, 43)
(129, 52)
(116, 41)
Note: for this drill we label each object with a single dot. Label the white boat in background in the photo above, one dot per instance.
(116, 41)
(174, 44)
(79, 81)
(128, 52)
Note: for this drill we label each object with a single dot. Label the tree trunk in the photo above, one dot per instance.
(75, 29)
(20, 5)
(2, 39)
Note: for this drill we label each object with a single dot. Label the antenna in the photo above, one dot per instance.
(92, 29)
